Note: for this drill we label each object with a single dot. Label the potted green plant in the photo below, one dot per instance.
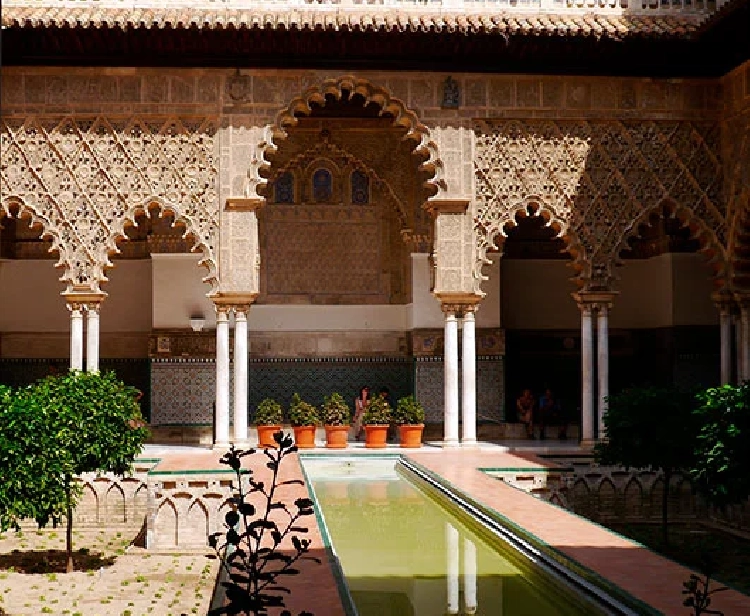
(336, 417)
(376, 420)
(409, 416)
(304, 418)
(268, 418)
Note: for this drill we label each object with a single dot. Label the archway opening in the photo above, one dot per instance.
(664, 324)
(541, 320)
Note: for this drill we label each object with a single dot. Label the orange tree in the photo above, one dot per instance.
(650, 427)
(57, 429)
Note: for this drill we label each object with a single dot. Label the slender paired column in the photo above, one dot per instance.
(452, 565)
(450, 366)
(222, 377)
(603, 364)
(725, 332)
(92, 336)
(587, 374)
(470, 576)
(76, 335)
(240, 374)
(469, 379)
(743, 340)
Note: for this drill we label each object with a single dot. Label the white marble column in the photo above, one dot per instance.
(92, 337)
(240, 375)
(587, 374)
(602, 364)
(76, 336)
(470, 576)
(221, 428)
(450, 367)
(452, 566)
(743, 359)
(725, 332)
(469, 380)
(738, 337)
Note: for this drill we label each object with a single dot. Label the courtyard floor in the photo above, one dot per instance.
(117, 578)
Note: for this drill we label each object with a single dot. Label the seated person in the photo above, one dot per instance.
(525, 408)
(550, 414)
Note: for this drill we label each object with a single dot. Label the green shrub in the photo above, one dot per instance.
(303, 413)
(336, 411)
(408, 412)
(269, 413)
(377, 413)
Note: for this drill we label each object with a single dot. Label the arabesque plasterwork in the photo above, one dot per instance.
(82, 179)
(596, 182)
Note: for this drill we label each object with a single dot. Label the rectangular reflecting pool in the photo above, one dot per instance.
(404, 554)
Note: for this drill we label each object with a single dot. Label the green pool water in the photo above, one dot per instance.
(404, 554)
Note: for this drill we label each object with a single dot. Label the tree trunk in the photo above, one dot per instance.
(69, 529)
(665, 506)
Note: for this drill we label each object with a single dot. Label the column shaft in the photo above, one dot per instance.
(603, 365)
(92, 338)
(725, 331)
(450, 366)
(221, 428)
(470, 576)
(240, 375)
(587, 375)
(743, 369)
(76, 336)
(469, 380)
(452, 565)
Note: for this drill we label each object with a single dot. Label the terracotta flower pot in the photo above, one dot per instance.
(410, 435)
(304, 437)
(337, 437)
(265, 435)
(376, 436)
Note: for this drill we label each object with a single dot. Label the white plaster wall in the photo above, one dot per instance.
(672, 289)
(179, 291)
(30, 298)
(291, 318)
(692, 287)
(424, 311)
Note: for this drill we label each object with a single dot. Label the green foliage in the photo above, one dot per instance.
(336, 411)
(698, 592)
(269, 413)
(722, 449)
(303, 413)
(250, 548)
(408, 412)
(649, 426)
(58, 428)
(377, 413)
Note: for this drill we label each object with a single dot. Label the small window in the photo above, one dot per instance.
(360, 188)
(283, 188)
(322, 184)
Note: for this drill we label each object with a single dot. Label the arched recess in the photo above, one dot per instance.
(84, 178)
(708, 244)
(493, 233)
(739, 248)
(347, 161)
(344, 89)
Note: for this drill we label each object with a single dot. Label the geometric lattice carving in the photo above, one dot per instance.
(83, 179)
(737, 130)
(597, 181)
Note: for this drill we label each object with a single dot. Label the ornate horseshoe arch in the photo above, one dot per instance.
(423, 147)
(82, 179)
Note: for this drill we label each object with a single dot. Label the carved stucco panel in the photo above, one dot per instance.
(83, 178)
(597, 181)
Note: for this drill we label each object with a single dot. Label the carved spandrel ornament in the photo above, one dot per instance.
(82, 179)
(239, 87)
(596, 182)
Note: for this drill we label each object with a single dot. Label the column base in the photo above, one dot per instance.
(450, 444)
(469, 443)
(221, 446)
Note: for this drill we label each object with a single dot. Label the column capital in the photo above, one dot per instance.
(81, 301)
(724, 301)
(232, 298)
(595, 300)
(742, 299)
(458, 303)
